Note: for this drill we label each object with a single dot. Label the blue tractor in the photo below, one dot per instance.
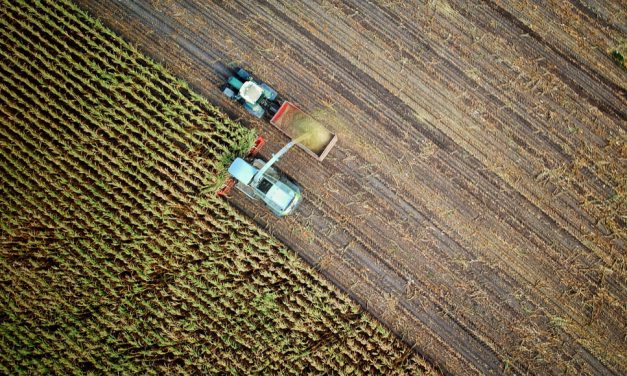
(257, 98)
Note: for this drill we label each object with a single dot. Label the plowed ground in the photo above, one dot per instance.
(475, 201)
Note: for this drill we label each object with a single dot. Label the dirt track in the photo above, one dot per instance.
(475, 201)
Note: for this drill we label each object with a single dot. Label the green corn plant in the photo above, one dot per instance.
(107, 164)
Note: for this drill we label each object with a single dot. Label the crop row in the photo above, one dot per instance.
(115, 254)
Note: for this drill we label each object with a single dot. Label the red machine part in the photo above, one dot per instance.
(230, 182)
(280, 112)
(226, 188)
(259, 142)
(289, 115)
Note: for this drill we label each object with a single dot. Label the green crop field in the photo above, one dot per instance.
(115, 254)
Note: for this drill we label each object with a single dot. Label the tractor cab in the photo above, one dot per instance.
(256, 97)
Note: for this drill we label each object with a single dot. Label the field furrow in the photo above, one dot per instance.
(475, 201)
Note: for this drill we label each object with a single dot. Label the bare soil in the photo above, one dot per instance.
(475, 200)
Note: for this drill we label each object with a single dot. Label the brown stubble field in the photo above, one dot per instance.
(475, 201)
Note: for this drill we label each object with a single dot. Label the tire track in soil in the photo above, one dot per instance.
(155, 28)
(507, 187)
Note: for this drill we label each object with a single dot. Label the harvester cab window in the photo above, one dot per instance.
(264, 186)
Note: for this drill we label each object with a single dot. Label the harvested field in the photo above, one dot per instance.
(116, 257)
(475, 201)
